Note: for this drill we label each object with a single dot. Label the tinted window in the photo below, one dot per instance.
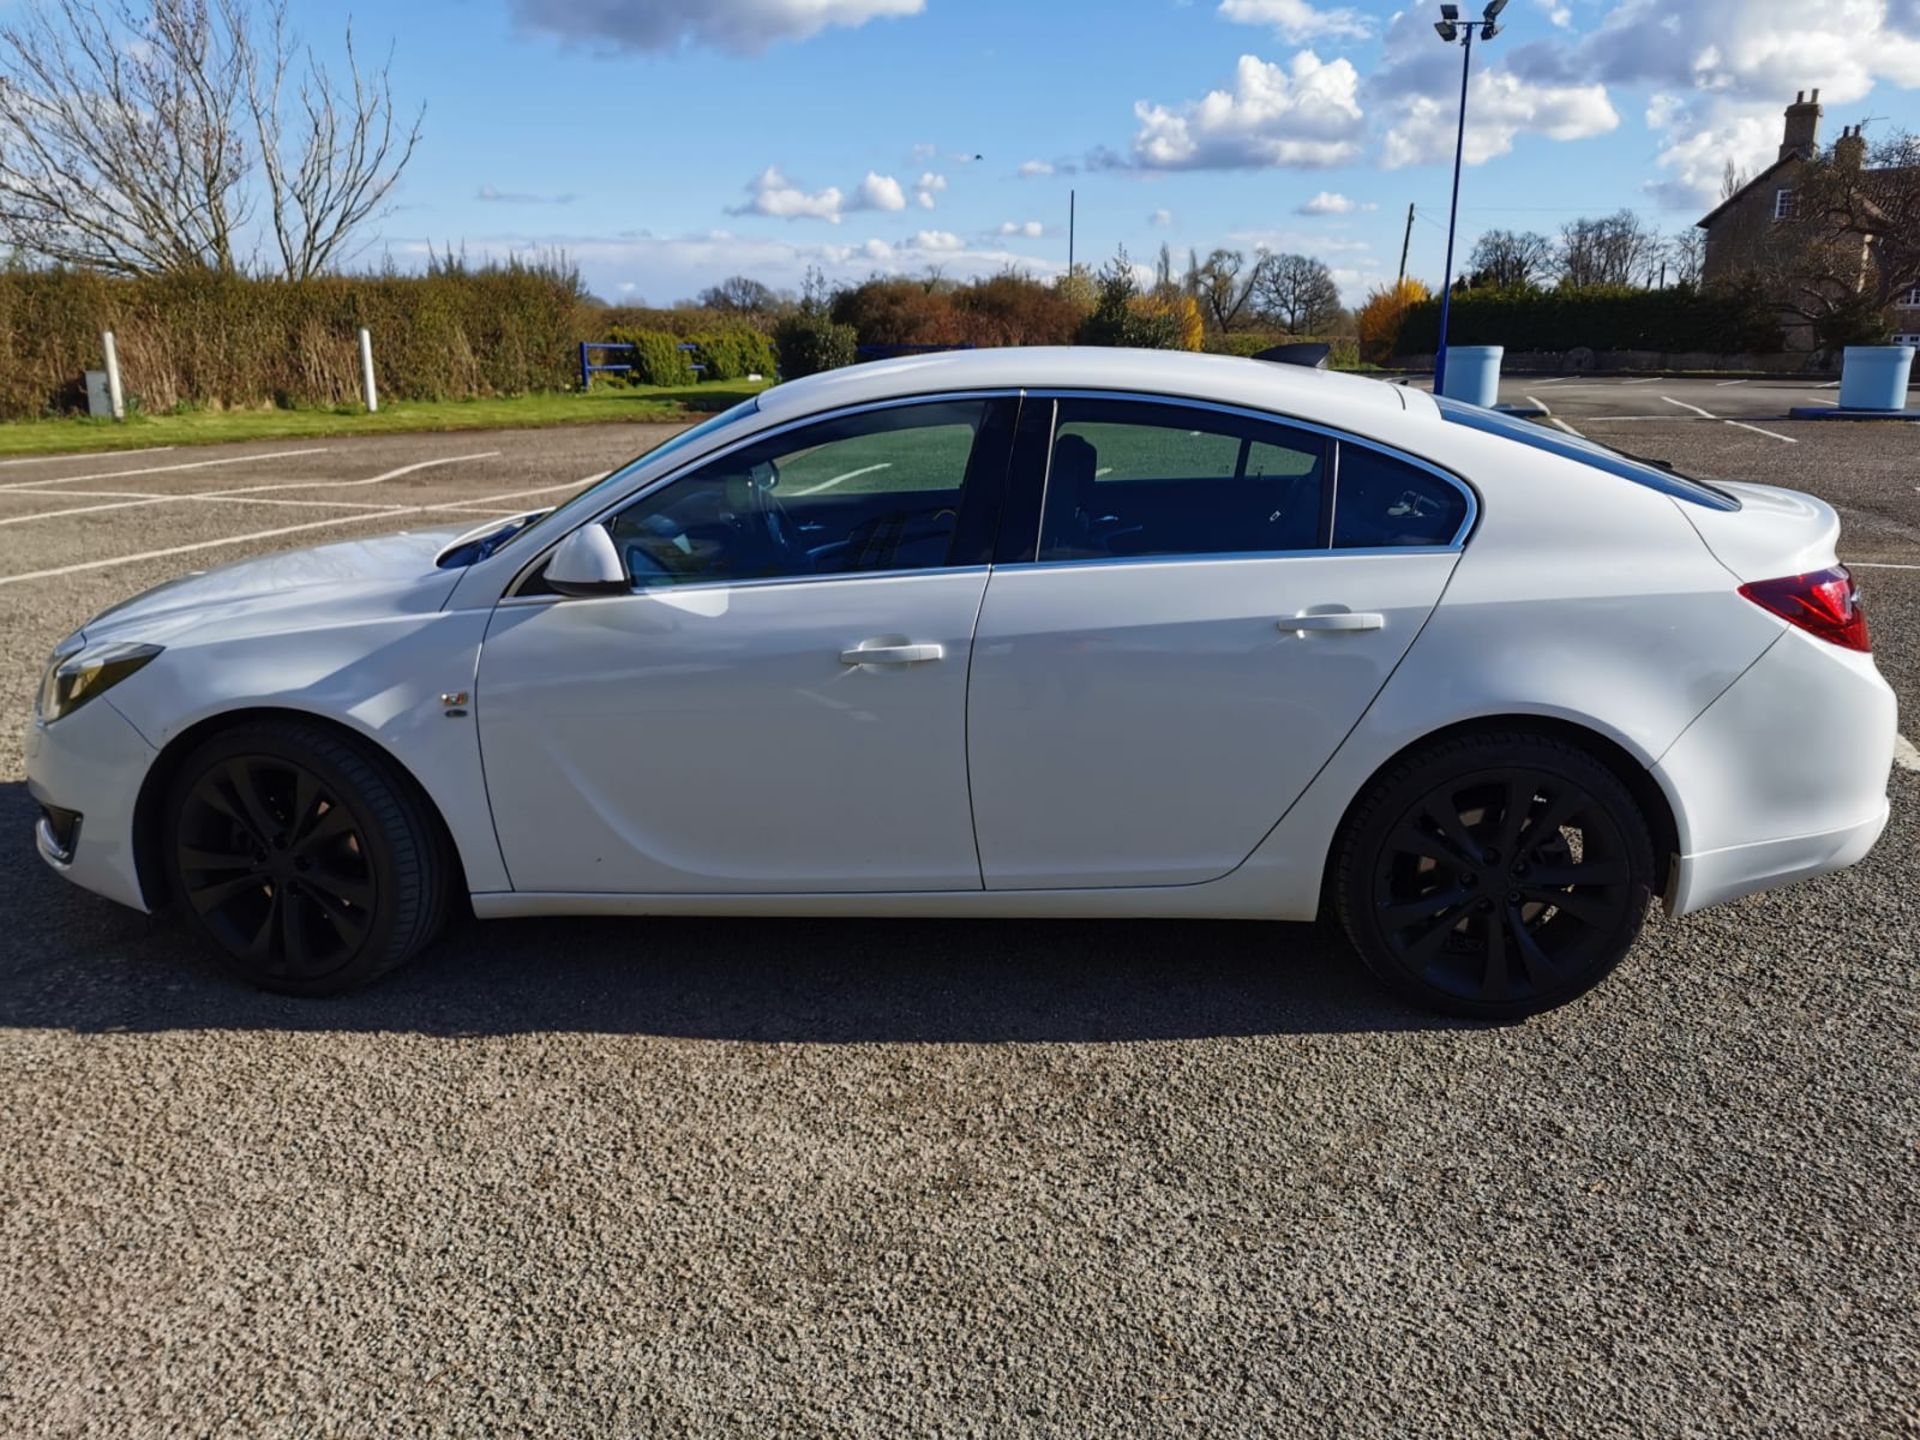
(1131, 478)
(874, 491)
(1385, 502)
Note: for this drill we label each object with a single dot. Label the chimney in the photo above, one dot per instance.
(1850, 150)
(1802, 136)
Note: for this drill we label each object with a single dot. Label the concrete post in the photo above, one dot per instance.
(366, 371)
(115, 395)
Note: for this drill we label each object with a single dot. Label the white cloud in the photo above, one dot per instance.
(1032, 229)
(1160, 219)
(924, 151)
(1330, 202)
(928, 186)
(1304, 114)
(744, 27)
(1296, 20)
(1034, 169)
(771, 193)
(878, 192)
(1557, 11)
(937, 240)
(492, 196)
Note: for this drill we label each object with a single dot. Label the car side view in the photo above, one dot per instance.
(1027, 633)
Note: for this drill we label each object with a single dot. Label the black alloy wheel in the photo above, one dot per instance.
(1496, 876)
(302, 857)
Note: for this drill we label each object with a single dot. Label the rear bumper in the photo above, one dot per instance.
(1719, 875)
(1785, 775)
(92, 762)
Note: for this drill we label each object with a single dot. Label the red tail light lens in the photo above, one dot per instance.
(1823, 603)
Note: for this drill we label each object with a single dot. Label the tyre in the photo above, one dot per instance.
(302, 857)
(1494, 875)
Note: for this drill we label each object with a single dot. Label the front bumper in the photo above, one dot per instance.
(1785, 775)
(91, 762)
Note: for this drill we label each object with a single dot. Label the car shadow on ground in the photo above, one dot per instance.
(71, 960)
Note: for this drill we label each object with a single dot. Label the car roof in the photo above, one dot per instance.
(1324, 396)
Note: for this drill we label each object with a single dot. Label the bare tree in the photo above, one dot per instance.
(1687, 252)
(145, 138)
(1733, 180)
(1615, 250)
(1298, 293)
(1511, 260)
(1226, 284)
(741, 294)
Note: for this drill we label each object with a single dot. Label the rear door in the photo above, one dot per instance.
(1207, 604)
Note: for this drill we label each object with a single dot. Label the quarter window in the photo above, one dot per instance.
(1131, 478)
(878, 490)
(1385, 503)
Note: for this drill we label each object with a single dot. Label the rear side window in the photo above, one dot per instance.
(1134, 478)
(1385, 503)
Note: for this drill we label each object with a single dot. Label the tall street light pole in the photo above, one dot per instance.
(1452, 29)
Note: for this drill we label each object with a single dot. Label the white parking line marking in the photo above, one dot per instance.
(216, 496)
(274, 534)
(1536, 400)
(1705, 414)
(1904, 754)
(1876, 565)
(1758, 431)
(1566, 427)
(1647, 381)
(1723, 384)
(88, 455)
(1556, 380)
(244, 491)
(165, 469)
(829, 484)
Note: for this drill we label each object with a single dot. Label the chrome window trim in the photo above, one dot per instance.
(1271, 417)
(771, 432)
(760, 583)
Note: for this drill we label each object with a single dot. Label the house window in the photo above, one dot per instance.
(1910, 300)
(1783, 204)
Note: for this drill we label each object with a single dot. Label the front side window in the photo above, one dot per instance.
(1134, 478)
(872, 491)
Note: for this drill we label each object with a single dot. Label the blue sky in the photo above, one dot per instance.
(666, 143)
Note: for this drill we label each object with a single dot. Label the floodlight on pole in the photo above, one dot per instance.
(1450, 29)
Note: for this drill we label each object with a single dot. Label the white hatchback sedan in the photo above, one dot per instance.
(1006, 633)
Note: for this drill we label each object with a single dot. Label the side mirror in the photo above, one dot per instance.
(588, 563)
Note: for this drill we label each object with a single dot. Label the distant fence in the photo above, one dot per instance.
(588, 369)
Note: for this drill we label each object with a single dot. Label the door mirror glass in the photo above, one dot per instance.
(586, 563)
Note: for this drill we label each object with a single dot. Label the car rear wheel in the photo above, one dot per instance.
(302, 857)
(1495, 875)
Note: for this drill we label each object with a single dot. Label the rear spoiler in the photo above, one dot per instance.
(1310, 354)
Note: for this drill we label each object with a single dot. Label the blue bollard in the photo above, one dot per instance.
(1874, 377)
(1473, 374)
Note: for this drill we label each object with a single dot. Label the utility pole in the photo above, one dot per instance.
(1405, 245)
(1070, 209)
(1452, 30)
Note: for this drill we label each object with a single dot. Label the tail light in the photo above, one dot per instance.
(1823, 603)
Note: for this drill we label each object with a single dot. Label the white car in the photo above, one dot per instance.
(1027, 633)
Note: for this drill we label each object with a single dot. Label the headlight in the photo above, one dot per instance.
(75, 679)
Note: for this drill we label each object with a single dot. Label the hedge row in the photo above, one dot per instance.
(659, 357)
(223, 341)
(1717, 321)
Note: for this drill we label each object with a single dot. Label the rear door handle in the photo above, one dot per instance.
(870, 652)
(1336, 620)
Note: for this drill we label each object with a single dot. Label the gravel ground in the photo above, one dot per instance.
(749, 1177)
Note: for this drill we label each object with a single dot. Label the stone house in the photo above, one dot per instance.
(1737, 228)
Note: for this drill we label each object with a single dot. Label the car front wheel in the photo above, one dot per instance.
(1494, 875)
(302, 857)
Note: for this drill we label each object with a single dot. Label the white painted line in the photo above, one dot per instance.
(1566, 427)
(1706, 414)
(1663, 419)
(245, 491)
(1904, 754)
(1876, 565)
(1556, 380)
(217, 496)
(829, 484)
(1771, 434)
(88, 455)
(1723, 384)
(1536, 400)
(1830, 385)
(1834, 403)
(1647, 381)
(274, 534)
(165, 469)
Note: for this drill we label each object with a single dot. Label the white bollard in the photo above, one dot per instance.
(116, 397)
(366, 371)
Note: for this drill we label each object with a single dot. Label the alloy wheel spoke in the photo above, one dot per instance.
(1516, 802)
(217, 893)
(307, 799)
(1411, 912)
(1562, 801)
(243, 786)
(1588, 909)
(1578, 872)
(348, 925)
(197, 857)
(1493, 980)
(355, 892)
(1541, 971)
(331, 826)
(293, 935)
(1445, 818)
(1421, 952)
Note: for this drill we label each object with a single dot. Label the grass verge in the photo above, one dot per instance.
(213, 427)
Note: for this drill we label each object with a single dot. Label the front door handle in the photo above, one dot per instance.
(1335, 620)
(887, 652)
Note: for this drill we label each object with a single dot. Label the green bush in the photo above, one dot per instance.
(656, 358)
(809, 342)
(734, 354)
(1720, 321)
(1344, 354)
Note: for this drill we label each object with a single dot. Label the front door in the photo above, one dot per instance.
(780, 704)
(1208, 613)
